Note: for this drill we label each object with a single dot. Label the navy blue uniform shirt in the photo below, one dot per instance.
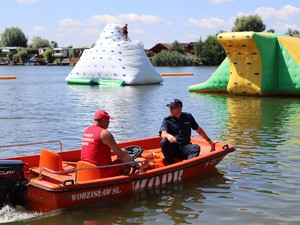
(180, 128)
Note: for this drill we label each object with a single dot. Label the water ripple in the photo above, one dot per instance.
(257, 184)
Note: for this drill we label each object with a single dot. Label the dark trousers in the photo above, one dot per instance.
(173, 150)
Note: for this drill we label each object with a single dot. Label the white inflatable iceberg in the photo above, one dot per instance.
(114, 61)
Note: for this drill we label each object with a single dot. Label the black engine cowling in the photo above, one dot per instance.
(12, 182)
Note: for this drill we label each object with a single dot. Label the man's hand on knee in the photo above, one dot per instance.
(172, 139)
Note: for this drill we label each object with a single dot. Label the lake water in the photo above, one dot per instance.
(257, 184)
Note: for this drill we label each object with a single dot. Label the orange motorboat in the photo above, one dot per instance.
(55, 180)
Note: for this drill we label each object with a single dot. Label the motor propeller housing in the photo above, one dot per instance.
(12, 182)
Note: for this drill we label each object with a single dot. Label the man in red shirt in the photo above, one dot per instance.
(98, 144)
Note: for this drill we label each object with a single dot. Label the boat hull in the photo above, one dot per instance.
(44, 195)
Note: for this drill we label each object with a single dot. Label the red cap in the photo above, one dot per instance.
(101, 114)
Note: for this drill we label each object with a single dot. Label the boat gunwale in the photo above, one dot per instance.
(74, 170)
(113, 181)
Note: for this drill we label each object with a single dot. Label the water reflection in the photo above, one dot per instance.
(132, 106)
(261, 116)
(180, 203)
(258, 184)
(266, 133)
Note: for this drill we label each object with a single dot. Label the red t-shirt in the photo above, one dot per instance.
(92, 148)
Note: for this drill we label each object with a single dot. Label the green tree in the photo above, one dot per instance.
(54, 44)
(172, 58)
(291, 32)
(58, 61)
(15, 58)
(48, 56)
(177, 47)
(271, 31)
(38, 42)
(249, 23)
(13, 37)
(198, 50)
(210, 52)
(23, 54)
(220, 31)
(10, 55)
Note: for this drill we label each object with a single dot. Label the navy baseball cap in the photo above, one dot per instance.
(175, 103)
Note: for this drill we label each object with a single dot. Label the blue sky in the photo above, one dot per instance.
(80, 22)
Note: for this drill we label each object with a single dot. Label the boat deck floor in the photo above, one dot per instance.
(153, 157)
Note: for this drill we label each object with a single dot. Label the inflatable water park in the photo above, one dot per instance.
(256, 64)
(114, 60)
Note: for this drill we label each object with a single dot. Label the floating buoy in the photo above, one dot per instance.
(177, 74)
(7, 77)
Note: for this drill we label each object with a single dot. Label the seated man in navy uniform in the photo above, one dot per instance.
(175, 132)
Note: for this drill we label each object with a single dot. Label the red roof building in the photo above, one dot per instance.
(189, 47)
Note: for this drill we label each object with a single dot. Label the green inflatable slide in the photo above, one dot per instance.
(256, 64)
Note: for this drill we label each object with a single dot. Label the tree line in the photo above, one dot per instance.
(208, 52)
(14, 37)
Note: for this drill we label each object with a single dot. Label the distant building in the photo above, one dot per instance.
(296, 35)
(77, 52)
(62, 52)
(189, 47)
(6, 50)
(42, 51)
(73, 61)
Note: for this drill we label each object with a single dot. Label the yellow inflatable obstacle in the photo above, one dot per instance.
(256, 64)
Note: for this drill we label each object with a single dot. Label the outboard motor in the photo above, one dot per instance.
(12, 182)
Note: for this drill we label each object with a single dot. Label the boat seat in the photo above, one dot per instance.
(86, 171)
(53, 161)
(50, 160)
